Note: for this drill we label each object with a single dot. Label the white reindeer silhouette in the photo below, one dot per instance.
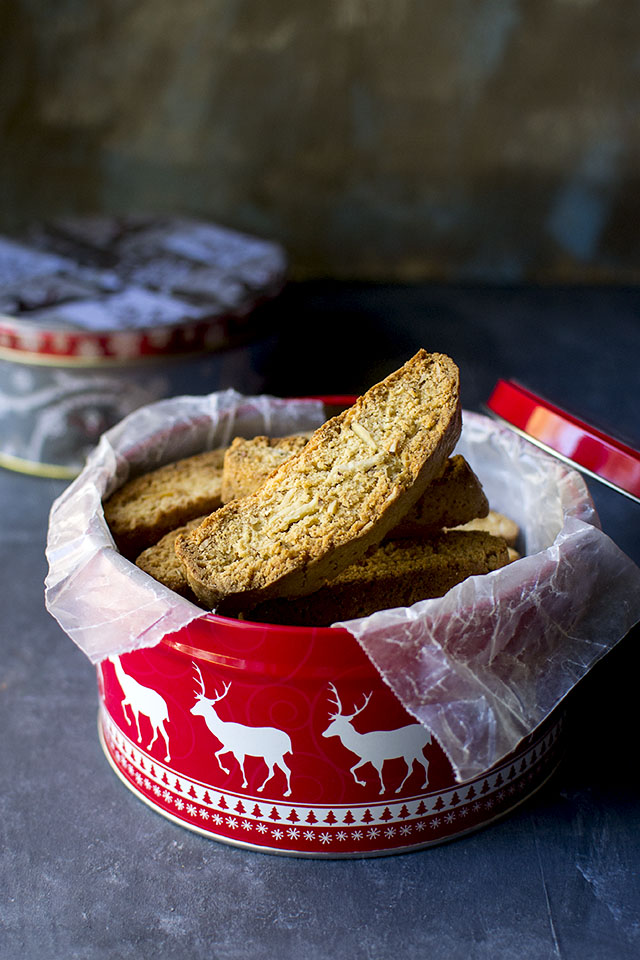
(406, 742)
(267, 742)
(145, 701)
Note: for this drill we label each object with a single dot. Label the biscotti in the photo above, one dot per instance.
(324, 507)
(397, 573)
(496, 523)
(452, 498)
(248, 463)
(161, 563)
(145, 508)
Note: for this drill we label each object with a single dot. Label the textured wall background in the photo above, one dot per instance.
(467, 139)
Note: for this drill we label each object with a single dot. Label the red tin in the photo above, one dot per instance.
(286, 740)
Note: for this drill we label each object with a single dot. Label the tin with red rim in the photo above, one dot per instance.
(286, 740)
(101, 315)
(62, 388)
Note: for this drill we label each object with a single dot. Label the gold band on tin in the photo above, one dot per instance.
(51, 470)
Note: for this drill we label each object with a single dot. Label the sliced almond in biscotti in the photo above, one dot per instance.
(493, 522)
(452, 498)
(324, 507)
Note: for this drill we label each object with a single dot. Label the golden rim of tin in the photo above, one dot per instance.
(53, 471)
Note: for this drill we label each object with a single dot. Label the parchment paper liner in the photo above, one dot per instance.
(481, 667)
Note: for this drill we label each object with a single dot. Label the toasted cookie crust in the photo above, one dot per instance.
(397, 573)
(141, 511)
(325, 506)
(248, 463)
(161, 563)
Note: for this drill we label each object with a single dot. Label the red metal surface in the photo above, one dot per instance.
(588, 448)
(85, 346)
(359, 776)
(286, 740)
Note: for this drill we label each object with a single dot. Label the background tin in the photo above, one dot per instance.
(101, 315)
(60, 390)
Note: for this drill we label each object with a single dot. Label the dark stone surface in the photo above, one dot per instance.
(89, 872)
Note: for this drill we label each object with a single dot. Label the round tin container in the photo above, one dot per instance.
(61, 389)
(286, 740)
(102, 315)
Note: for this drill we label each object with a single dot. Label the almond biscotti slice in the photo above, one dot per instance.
(454, 497)
(455, 492)
(397, 573)
(324, 507)
(247, 463)
(161, 563)
(143, 509)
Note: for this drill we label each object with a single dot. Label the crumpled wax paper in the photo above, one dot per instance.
(102, 601)
(481, 667)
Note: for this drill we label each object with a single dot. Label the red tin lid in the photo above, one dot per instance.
(562, 434)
